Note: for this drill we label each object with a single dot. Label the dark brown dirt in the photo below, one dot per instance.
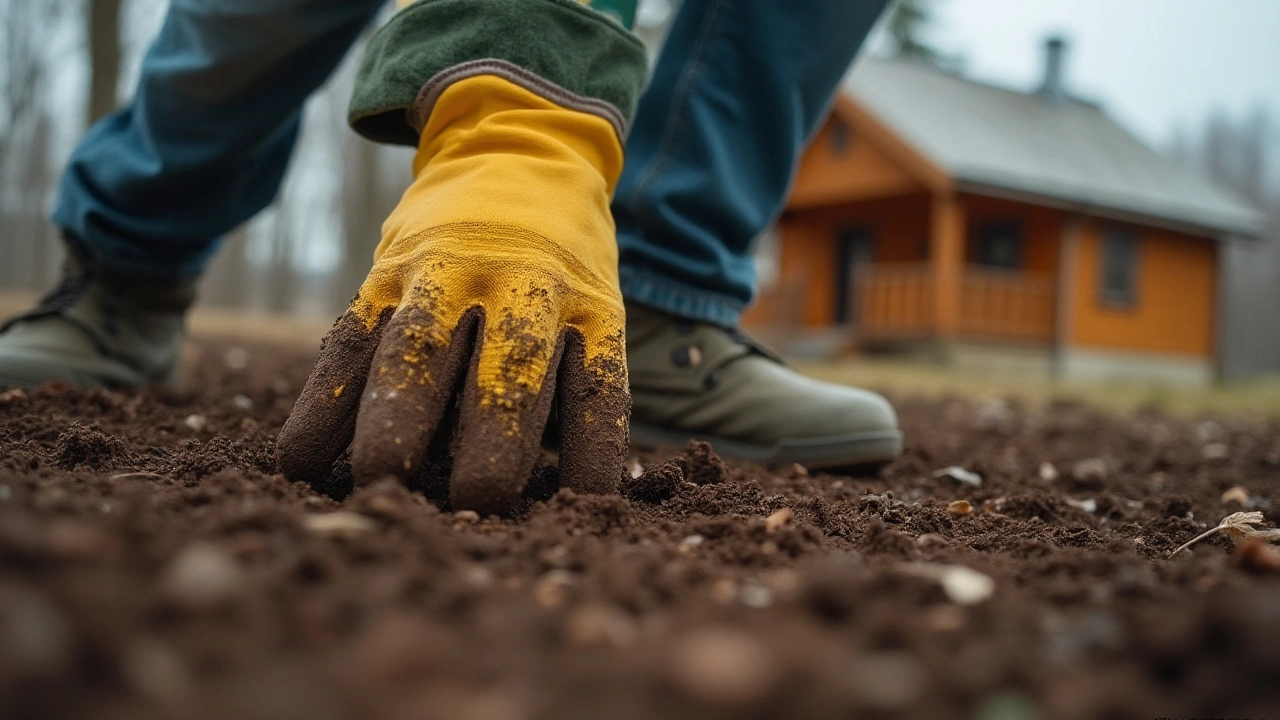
(152, 565)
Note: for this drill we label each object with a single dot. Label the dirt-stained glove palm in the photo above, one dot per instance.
(495, 284)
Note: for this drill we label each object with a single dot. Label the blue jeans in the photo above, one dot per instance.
(203, 147)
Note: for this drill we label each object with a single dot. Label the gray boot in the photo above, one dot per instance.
(692, 380)
(97, 330)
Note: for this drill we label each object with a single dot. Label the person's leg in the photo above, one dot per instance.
(739, 89)
(205, 142)
(148, 192)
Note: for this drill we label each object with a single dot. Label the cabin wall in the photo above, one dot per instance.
(1176, 296)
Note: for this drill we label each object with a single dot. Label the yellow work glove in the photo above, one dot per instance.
(495, 286)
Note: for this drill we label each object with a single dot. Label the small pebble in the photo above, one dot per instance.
(1237, 495)
(1093, 470)
(383, 505)
(777, 519)
(196, 423)
(960, 475)
(12, 395)
(967, 587)
(466, 517)
(1089, 505)
(477, 576)
(724, 667)
(688, 544)
(202, 575)
(599, 625)
(932, 539)
(1215, 451)
(755, 596)
(242, 402)
(1257, 556)
(552, 589)
(236, 358)
(1048, 472)
(556, 556)
(342, 522)
(724, 590)
(959, 508)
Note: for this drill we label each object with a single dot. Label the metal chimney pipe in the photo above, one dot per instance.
(1055, 47)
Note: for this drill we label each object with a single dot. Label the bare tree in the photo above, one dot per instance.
(225, 282)
(104, 56)
(26, 27)
(1236, 154)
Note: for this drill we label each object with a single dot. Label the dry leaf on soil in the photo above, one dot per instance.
(1237, 526)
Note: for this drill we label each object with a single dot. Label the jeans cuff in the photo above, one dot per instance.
(129, 263)
(662, 293)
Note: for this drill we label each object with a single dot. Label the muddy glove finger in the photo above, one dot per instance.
(324, 418)
(412, 382)
(595, 404)
(506, 399)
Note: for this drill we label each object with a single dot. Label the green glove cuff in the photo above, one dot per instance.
(572, 55)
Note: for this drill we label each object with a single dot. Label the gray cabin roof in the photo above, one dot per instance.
(1000, 140)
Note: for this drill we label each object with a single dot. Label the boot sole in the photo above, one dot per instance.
(833, 451)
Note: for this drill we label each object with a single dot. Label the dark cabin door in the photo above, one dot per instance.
(854, 248)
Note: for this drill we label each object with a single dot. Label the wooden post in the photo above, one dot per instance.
(946, 263)
(1064, 291)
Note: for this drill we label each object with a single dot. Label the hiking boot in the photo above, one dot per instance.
(97, 330)
(693, 380)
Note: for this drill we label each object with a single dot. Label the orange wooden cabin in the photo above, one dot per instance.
(934, 213)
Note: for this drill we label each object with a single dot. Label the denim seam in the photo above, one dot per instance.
(651, 289)
(678, 115)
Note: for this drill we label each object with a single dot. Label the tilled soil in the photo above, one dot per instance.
(152, 565)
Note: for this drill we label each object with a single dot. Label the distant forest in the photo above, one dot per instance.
(66, 63)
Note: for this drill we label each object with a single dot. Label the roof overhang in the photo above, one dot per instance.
(1085, 206)
(939, 179)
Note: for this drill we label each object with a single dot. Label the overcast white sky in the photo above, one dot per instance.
(1151, 63)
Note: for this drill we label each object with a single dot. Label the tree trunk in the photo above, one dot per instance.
(363, 209)
(104, 57)
(226, 283)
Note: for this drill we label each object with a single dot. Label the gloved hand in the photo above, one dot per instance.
(495, 284)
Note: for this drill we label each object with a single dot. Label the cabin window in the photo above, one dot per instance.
(1119, 267)
(841, 137)
(999, 245)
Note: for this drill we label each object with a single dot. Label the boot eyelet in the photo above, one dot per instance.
(687, 356)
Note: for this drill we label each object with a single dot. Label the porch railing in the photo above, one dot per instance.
(896, 301)
(1002, 304)
(893, 300)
